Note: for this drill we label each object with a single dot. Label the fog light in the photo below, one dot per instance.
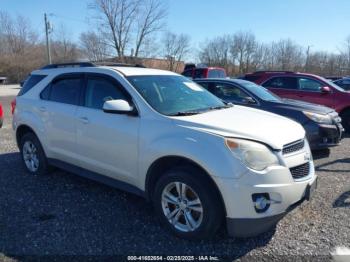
(261, 202)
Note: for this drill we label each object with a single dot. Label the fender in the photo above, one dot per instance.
(206, 150)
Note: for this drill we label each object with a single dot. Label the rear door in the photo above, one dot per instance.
(283, 86)
(310, 91)
(57, 109)
(107, 143)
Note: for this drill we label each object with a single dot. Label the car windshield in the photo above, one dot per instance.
(332, 84)
(259, 91)
(175, 95)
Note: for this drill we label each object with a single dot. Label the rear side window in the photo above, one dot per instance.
(30, 82)
(65, 90)
(282, 82)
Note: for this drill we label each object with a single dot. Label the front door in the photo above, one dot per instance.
(108, 143)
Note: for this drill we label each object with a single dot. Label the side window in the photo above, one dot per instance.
(344, 84)
(30, 82)
(282, 82)
(100, 90)
(307, 84)
(65, 90)
(45, 93)
(228, 93)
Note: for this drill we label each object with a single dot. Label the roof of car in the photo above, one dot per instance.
(134, 71)
(125, 70)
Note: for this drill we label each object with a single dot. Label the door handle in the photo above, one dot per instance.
(42, 109)
(84, 120)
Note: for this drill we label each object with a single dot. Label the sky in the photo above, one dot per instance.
(320, 24)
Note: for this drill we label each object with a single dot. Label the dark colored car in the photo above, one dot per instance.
(1, 116)
(343, 83)
(322, 124)
(204, 72)
(306, 87)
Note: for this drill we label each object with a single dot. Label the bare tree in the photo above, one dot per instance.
(216, 51)
(63, 48)
(93, 46)
(19, 47)
(175, 48)
(346, 53)
(151, 14)
(126, 24)
(116, 18)
(242, 49)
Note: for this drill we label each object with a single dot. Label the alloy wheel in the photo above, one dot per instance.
(30, 156)
(182, 207)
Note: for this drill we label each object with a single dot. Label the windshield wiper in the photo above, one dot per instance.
(185, 113)
(220, 107)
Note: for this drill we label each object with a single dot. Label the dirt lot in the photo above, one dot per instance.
(63, 214)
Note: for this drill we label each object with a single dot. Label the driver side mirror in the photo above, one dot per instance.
(326, 89)
(118, 107)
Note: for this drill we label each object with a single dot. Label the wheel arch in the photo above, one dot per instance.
(22, 130)
(159, 166)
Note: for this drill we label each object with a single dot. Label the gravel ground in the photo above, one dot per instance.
(63, 214)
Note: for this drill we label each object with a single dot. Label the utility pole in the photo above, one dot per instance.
(47, 32)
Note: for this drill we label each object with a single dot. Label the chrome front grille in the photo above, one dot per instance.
(293, 147)
(300, 171)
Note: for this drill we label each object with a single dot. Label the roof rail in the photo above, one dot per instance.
(74, 64)
(89, 64)
(118, 64)
(273, 71)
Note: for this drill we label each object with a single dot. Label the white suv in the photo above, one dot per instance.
(158, 134)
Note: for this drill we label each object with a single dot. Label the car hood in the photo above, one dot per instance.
(244, 122)
(302, 106)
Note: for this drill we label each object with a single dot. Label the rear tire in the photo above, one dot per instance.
(33, 155)
(195, 213)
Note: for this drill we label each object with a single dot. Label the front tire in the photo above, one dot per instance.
(187, 205)
(33, 155)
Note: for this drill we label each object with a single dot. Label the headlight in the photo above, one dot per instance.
(254, 155)
(318, 118)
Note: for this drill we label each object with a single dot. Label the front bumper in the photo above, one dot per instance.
(323, 136)
(250, 227)
(284, 187)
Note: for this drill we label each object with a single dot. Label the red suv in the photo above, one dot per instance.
(306, 87)
(204, 72)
